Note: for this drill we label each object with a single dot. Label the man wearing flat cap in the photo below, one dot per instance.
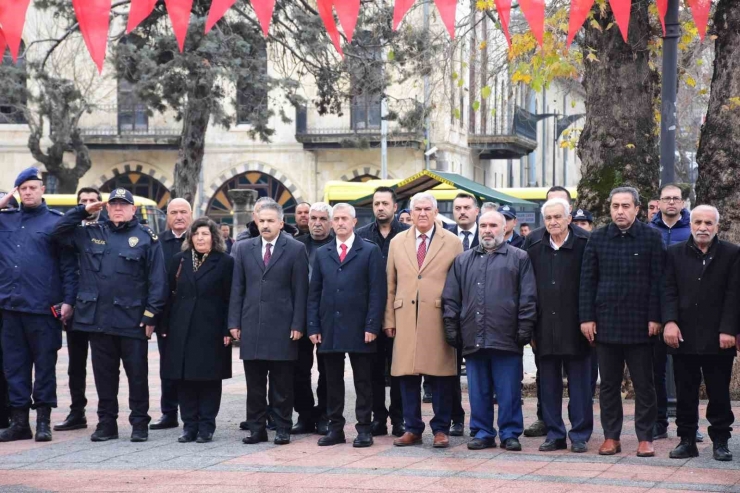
(123, 288)
(510, 235)
(39, 280)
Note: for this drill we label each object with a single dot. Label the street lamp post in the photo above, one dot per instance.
(668, 91)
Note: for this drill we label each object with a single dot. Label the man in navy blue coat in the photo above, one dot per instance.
(36, 277)
(346, 303)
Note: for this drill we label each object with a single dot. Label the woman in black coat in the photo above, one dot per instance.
(198, 354)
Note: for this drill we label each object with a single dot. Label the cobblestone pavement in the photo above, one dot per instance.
(71, 462)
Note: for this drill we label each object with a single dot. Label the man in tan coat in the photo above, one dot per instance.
(418, 261)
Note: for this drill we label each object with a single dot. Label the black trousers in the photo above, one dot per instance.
(77, 347)
(458, 413)
(4, 405)
(168, 401)
(200, 401)
(660, 362)
(362, 369)
(107, 354)
(639, 359)
(382, 361)
(540, 416)
(303, 394)
(280, 374)
(717, 370)
(594, 371)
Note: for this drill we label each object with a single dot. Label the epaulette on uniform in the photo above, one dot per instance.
(149, 231)
(7, 211)
(92, 223)
(56, 212)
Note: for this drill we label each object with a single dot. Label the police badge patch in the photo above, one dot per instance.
(133, 241)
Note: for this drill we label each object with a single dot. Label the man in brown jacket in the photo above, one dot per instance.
(418, 261)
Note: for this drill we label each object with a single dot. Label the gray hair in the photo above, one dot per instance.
(423, 196)
(488, 206)
(262, 201)
(322, 207)
(705, 208)
(556, 201)
(346, 206)
(630, 190)
(272, 206)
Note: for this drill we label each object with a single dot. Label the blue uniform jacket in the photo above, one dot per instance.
(37, 274)
(347, 299)
(123, 280)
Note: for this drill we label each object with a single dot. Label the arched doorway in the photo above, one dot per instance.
(220, 206)
(140, 184)
(363, 178)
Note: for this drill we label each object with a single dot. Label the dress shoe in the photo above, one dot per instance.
(398, 430)
(441, 440)
(660, 431)
(645, 449)
(610, 447)
(244, 426)
(536, 429)
(282, 437)
(322, 426)
(43, 424)
(378, 429)
(427, 399)
(165, 422)
(512, 445)
(699, 436)
(457, 430)
(253, 438)
(407, 439)
(271, 423)
(721, 452)
(73, 421)
(19, 428)
(187, 437)
(104, 432)
(481, 443)
(553, 445)
(363, 440)
(332, 438)
(685, 450)
(204, 438)
(303, 427)
(578, 447)
(139, 434)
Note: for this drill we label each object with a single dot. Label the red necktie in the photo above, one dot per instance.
(343, 255)
(421, 253)
(268, 254)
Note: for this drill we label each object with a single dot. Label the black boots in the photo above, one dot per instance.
(19, 427)
(721, 451)
(685, 450)
(43, 424)
(76, 420)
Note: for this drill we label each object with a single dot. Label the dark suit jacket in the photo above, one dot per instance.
(267, 303)
(455, 229)
(171, 246)
(196, 321)
(347, 299)
(621, 280)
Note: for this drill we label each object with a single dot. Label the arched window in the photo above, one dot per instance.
(13, 95)
(220, 206)
(139, 184)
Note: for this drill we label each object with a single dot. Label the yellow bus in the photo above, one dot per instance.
(147, 210)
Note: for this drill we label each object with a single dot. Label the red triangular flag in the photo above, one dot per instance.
(179, 11)
(662, 11)
(325, 12)
(503, 7)
(347, 11)
(94, 18)
(217, 11)
(13, 18)
(399, 10)
(264, 10)
(534, 12)
(622, 10)
(139, 10)
(700, 11)
(3, 44)
(579, 10)
(447, 10)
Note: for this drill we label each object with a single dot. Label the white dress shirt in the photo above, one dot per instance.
(428, 240)
(472, 231)
(554, 246)
(272, 248)
(350, 241)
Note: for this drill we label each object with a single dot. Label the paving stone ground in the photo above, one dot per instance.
(71, 462)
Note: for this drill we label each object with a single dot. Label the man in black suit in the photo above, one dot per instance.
(267, 313)
(465, 211)
(179, 219)
(345, 306)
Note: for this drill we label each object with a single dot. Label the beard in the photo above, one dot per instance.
(492, 243)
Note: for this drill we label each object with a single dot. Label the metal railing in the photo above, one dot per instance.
(112, 120)
(359, 120)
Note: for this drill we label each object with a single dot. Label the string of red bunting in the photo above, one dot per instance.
(94, 18)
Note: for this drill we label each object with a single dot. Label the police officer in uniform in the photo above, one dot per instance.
(37, 276)
(122, 291)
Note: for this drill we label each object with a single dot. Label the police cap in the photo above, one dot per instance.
(121, 194)
(507, 211)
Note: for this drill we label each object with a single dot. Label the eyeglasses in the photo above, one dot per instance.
(667, 200)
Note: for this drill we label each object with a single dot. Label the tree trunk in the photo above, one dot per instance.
(718, 181)
(618, 145)
(193, 139)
